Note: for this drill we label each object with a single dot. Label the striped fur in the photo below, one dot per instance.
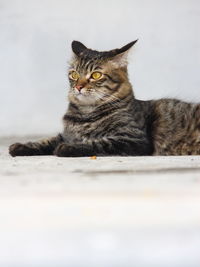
(104, 118)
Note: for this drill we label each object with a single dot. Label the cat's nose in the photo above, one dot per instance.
(79, 86)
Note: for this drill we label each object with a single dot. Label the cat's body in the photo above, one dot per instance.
(104, 118)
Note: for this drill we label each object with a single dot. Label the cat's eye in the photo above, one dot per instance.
(96, 75)
(74, 75)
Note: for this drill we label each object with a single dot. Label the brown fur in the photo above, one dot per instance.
(176, 130)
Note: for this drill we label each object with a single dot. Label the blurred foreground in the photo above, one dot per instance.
(104, 212)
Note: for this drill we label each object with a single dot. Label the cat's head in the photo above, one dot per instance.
(96, 77)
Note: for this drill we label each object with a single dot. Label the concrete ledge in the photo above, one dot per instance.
(113, 211)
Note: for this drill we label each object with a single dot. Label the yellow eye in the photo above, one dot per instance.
(96, 75)
(74, 75)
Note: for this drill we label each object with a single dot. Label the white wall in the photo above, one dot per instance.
(35, 38)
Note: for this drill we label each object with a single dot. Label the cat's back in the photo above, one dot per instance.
(175, 127)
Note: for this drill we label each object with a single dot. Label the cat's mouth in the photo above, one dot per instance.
(86, 97)
(82, 93)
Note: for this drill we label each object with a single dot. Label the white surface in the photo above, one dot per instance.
(112, 211)
(35, 46)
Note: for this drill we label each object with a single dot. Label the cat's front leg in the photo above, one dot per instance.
(42, 147)
(27, 149)
(74, 150)
(107, 146)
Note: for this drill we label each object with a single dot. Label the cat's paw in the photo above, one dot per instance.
(16, 149)
(19, 149)
(73, 150)
(64, 150)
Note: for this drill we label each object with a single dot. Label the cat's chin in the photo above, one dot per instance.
(86, 99)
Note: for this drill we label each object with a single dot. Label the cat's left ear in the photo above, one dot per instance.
(119, 56)
(78, 47)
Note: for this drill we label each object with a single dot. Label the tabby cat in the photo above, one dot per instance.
(104, 118)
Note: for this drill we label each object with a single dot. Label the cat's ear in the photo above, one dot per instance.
(78, 47)
(125, 48)
(119, 56)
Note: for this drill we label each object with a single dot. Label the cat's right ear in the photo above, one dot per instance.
(78, 48)
(119, 56)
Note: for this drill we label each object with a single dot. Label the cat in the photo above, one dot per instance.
(105, 119)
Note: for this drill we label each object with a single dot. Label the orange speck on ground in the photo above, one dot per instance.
(93, 157)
